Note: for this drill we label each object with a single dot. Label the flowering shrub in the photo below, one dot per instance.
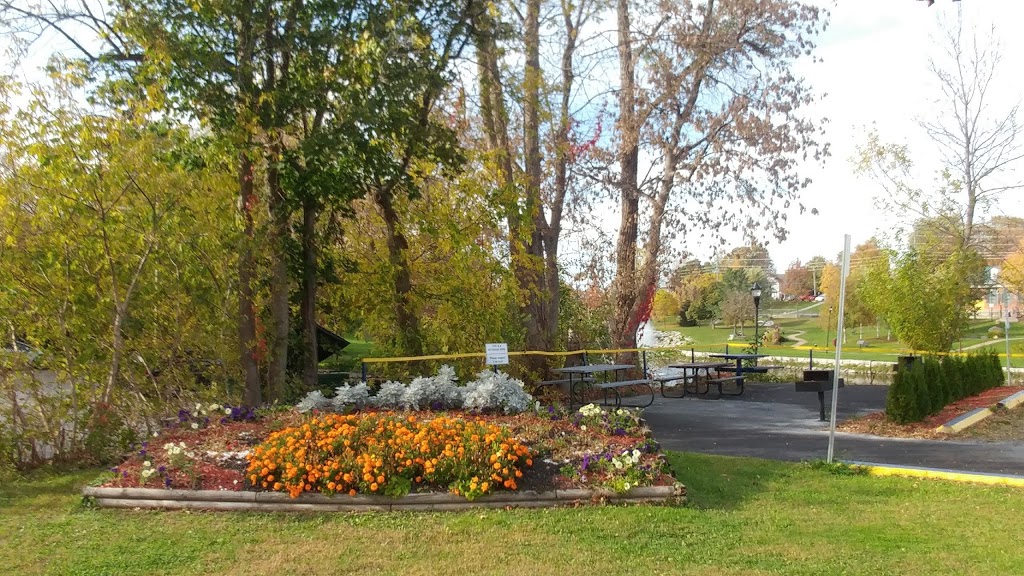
(389, 395)
(388, 454)
(315, 400)
(437, 392)
(496, 391)
(203, 414)
(344, 396)
(491, 391)
(618, 422)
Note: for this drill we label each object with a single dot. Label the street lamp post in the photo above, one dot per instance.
(828, 327)
(755, 291)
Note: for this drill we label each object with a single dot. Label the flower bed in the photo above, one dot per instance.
(388, 454)
(395, 453)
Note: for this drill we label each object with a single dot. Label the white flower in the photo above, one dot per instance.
(147, 464)
(626, 486)
(214, 407)
(155, 434)
(227, 411)
(195, 426)
(617, 463)
(584, 427)
(199, 407)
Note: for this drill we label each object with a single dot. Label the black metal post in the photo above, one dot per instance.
(364, 371)
(810, 362)
(757, 308)
(644, 355)
(693, 355)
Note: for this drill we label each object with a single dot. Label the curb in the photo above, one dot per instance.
(155, 498)
(941, 474)
(977, 415)
(965, 420)
(1013, 400)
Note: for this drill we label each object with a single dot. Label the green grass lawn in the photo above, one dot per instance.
(745, 516)
(878, 347)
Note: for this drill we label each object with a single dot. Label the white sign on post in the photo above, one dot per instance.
(497, 354)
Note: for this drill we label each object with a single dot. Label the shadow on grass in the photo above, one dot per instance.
(43, 485)
(724, 482)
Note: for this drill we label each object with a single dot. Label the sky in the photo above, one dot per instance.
(875, 74)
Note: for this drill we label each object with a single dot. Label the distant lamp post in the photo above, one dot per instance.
(828, 327)
(755, 291)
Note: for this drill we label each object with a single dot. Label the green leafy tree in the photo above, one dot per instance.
(116, 232)
(926, 301)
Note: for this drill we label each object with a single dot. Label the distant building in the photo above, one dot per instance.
(999, 301)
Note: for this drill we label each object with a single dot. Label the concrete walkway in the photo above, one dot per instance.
(773, 421)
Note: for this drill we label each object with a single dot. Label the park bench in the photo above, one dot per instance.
(738, 380)
(563, 381)
(617, 385)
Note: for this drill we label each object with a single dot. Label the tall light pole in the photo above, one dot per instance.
(828, 326)
(755, 291)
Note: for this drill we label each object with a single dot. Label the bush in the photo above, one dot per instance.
(996, 332)
(901, 405)
(496, 391)
(491, 391)
(927, 386)
(388, 454)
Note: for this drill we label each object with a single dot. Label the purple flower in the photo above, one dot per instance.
(124, 474)
(114, 469)
(183, 415)
(551, 409)
(162, 469)
(224, 420)
(142, 453)
(167, 482)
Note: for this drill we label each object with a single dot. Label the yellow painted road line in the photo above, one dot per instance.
(939, 474)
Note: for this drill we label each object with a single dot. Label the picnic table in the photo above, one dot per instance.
(738, 370)
(582, 378)
(691, 373)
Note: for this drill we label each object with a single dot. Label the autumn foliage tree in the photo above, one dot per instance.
(711, 94)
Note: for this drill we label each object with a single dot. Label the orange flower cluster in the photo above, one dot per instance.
(388, 454)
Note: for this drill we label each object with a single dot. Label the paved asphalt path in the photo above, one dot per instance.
(776, 422)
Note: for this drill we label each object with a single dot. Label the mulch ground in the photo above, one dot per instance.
(877, 424)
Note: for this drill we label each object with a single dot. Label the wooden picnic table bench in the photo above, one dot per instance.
(579, 385)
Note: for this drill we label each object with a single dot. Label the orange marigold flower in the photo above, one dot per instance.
(373, 487)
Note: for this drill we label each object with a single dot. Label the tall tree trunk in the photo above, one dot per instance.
(308, 303)
(279, 280)
(408, 333)
(625, 284)
(530, 266)
(246, 275)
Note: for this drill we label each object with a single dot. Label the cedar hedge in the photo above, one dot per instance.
(925, 387)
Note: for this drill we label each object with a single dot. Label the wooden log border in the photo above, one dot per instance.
(155, 498)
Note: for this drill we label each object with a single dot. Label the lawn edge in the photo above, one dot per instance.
(875, 469)
(155, 498)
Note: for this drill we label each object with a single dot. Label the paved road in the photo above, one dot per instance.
(773, 421)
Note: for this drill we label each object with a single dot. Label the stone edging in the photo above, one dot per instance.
(971, 418)
(155, 498)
